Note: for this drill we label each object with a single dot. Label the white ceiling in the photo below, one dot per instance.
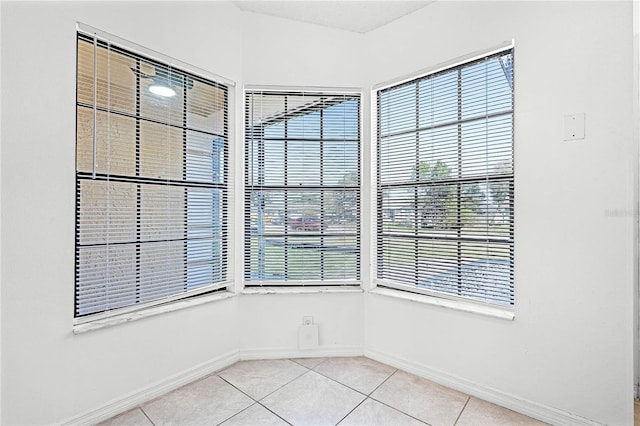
(358, 16)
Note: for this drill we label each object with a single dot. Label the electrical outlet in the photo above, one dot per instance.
(307, 320)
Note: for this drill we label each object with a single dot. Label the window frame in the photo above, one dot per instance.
(214, 291)
(296, 285)
(392, 288)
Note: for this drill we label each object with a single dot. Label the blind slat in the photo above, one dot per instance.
(151, 179)
(446, 183)
(302, 180)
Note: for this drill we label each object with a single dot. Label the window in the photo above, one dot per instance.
(151, 180)
(302, 188)
(445, 183)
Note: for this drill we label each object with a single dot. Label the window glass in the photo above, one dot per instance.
(446, 182)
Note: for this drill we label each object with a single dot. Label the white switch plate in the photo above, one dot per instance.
(574, 126)
(308, 336)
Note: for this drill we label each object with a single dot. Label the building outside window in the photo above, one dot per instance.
(151, 180)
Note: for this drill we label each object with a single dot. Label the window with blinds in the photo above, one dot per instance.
(445, 184)
(151, 181)
(302, 188)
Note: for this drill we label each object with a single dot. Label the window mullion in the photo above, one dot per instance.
(416, 194)
(185, 250)
(286, 192)
(458, 191)
(322, 212)
(138, 187)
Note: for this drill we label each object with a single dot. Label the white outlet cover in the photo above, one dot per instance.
(308, 337)
(574, 126)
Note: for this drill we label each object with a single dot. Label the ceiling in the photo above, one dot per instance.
(357, 16)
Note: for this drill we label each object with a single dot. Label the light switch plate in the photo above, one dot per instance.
(574, 126)
(308, 336)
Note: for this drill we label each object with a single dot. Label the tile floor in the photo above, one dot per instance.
(317, 391)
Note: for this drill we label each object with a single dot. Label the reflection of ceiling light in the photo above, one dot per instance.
(162, 90)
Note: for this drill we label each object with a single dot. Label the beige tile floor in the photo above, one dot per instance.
(317, 391)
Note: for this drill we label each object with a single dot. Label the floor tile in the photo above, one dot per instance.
(478, 412)
(373, 413)
(421, 398)
(207, 401)
(259, 378)
(360, 373)
(313, 399)
(131, 418)
(255, 415)
(309, 362)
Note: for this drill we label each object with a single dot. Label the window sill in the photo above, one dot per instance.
(459, 305)
(302, 290)
(83, 327)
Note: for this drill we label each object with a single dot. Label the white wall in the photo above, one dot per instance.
(48, 373)
(282, 52)
(269, 324)
(570, 345)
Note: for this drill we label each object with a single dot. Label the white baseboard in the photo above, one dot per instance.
(538, 411)
(129, 401)
(283, 353)
(134, 399)
(137, 398)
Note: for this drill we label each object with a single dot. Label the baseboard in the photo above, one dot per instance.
(129, 401)
(134, 399)
(529, 408)
(283, 353)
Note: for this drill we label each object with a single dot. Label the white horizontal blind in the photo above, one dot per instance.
(151, 181)
(302, 188)
(445, 185)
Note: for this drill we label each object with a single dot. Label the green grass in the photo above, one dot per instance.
(306, 263)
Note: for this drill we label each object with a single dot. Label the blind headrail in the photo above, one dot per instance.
(502, 47)
(141, 50)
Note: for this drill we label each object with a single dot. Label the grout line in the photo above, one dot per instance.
(462, 411)
(275, 390)
(280, 387)
(146, 415)
(241, 411)
(384, 381)
(354, 389)
(399, 411)
(391, 406)
(352, 410)
(308, 368)
(255, 401)
(273, 412)
(340, 383)
(320, 363)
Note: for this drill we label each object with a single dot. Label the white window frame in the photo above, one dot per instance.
(304, 286)
(216, 291)
(402, 291)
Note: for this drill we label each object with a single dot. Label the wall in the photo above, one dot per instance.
(48, 373)
(569, 350)
(282, 52)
